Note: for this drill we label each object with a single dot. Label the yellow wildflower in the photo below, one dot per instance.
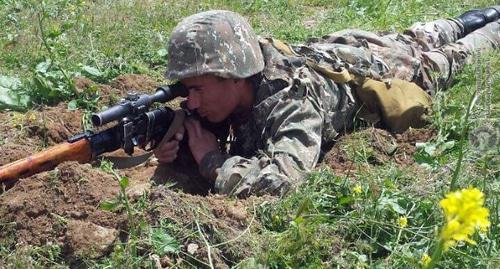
(464, 213)
(31, 117)
(402, 222)
(357, 189)
(425, 260)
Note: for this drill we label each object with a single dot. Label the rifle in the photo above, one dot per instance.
(138, 125)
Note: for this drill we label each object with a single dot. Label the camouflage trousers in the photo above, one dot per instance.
(429, 54)
(443, 52)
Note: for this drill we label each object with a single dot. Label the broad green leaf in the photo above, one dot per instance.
(346, 200)
(163, 243)
(92, 71)
(110, 205)
(162, 52)
(10, 97)
(42, 67)
(386, 202)
(73, 105)
(124, 182)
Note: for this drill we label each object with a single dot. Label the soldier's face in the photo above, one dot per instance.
(212, 97)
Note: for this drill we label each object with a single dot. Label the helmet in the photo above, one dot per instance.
(216, 42)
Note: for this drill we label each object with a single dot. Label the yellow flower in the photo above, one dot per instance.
(31, 117)
(464, 213)
(357, 189)
(402, 222)
(425, 260)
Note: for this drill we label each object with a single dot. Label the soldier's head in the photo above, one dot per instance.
(213, 53)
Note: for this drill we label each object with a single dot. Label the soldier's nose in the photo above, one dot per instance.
(193, 100)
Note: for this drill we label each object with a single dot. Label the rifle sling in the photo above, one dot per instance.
(129, 162)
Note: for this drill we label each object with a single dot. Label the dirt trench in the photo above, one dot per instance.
(63, 206)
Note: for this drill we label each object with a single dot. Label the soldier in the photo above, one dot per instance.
(283, 104)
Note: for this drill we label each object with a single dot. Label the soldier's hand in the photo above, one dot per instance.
(201, 141)
(167, 152)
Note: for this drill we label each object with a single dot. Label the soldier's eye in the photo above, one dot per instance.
(196, 89)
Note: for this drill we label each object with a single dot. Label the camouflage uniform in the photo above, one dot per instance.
(297, 109)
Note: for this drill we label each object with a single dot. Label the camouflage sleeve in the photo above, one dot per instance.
(291, 148)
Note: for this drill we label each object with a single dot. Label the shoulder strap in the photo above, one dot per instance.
(342, 76)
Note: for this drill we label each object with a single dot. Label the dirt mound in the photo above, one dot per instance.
(56, 124)
(12, 152)
(107, 94)
(49, 124)
(134, 82)
(118, 88)
(58, 206)
(227, 224)
(61, 207)
(24, 134)
(375, 147)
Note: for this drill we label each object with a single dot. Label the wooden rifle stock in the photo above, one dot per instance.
(79, 150)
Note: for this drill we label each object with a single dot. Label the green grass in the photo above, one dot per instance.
(324, 224)
(46, 43)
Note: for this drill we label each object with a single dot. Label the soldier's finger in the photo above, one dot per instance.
(197, 127)
(169, 145)
(194, 127)
(167, 156)
(179, 136)
(166, 159)
(171, 151)
(188, 124)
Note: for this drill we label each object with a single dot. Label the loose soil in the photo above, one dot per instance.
(23, 134)
(57, 206)
(383, 146)
(118, 88)
(62, 207)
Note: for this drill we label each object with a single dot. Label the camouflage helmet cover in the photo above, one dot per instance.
(216, 42)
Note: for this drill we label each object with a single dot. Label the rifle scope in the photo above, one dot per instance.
(134, 104)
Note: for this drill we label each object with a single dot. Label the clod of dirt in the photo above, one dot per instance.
(25, 134)
(134, 82)
(108, 95)
(219, 219)
(48, 206)
(375, 147)
(407, 141)
(137, 190)
(86, 239)
(56, 124)
(45, 126)
(192, 248)
(83, 83)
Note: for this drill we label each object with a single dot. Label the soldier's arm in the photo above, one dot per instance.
(292, 147)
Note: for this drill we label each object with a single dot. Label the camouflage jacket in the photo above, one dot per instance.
(297, 109)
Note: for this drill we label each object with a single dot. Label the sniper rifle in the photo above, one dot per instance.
(137, 125)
